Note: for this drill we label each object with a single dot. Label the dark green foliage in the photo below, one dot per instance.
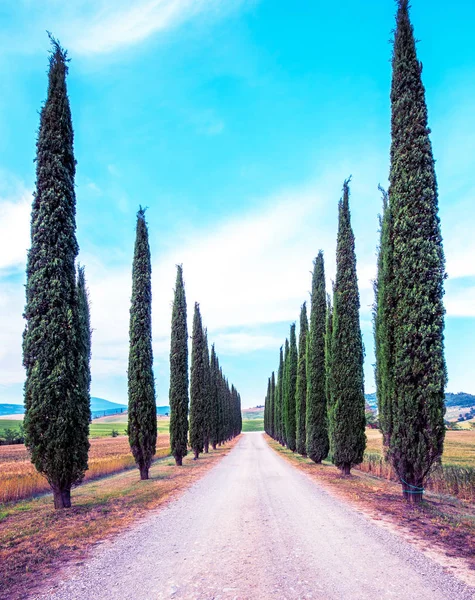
(410, 347)
(206, 393)
(285, 393)
(57, 409)
(197, 385)
(142, 411)
(179, 373)
(317, 419)
(347, 408)
(291, 388)
(266, 408)
(328, 352)
(280, 399)
(382, 309)
(301, 389)
(272, 405)
(84, 336)
(214, 436)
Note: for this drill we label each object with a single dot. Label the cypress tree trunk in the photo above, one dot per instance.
(291, 378)
(57, 406)
(141, 383)
(301, 390)
(418, 376)
(197, 386)
(317, 419)
(347, 416)
(178, 396)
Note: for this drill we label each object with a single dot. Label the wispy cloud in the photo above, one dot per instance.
(92, 27)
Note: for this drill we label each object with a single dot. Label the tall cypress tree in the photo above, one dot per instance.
(197, 386)
(301, 389)
(84, 337)
(57, 408)
(206, 394)
(142, 410)
(266, 408)
(178, 396)
(285, 394)
(317, 419)
(328, 352)
(214, 399)
(347, 415)
(381, 325)
(291, 381)
(280, 389)
(416, 265)
(272, 406)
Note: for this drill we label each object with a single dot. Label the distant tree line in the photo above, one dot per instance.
(57, 337)
(317, 406)
(408, 314)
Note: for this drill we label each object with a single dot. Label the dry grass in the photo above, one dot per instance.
(19, 479)
(441, 522)
(36, 540)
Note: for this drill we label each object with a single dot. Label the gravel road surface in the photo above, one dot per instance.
(256, 528)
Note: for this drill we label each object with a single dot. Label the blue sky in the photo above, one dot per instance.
(236, 123)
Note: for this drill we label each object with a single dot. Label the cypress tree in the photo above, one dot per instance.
(381, 325)
(57, 409)
(197, 386)
(328, 352)
(214, 399)
(142, 409)
(317, 418)
(272, 405)
(206, 393)
(347, 415)
(285, 394)
(84, 337)
(416, 271)
(266, 407)
(280, 390)
(301, 390)
(178, 396)
(291, 379)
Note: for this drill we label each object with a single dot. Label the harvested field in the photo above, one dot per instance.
(19, 479)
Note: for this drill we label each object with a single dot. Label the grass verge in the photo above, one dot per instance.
(36, 540)
(442, 522)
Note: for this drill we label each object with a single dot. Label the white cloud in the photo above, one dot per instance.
(91, 27)
(14, 228)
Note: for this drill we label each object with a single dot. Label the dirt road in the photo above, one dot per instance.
(256, 528)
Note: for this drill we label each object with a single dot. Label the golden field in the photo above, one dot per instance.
(19, 479)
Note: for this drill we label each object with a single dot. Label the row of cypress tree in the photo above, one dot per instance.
(214, 405)
(316, 404)
(408, 314)
(57, 337)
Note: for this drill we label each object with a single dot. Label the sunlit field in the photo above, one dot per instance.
(19, 479)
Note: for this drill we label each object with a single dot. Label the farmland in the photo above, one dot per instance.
(19, 479)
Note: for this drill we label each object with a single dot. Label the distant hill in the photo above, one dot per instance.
(102, 404)
(462, 399)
